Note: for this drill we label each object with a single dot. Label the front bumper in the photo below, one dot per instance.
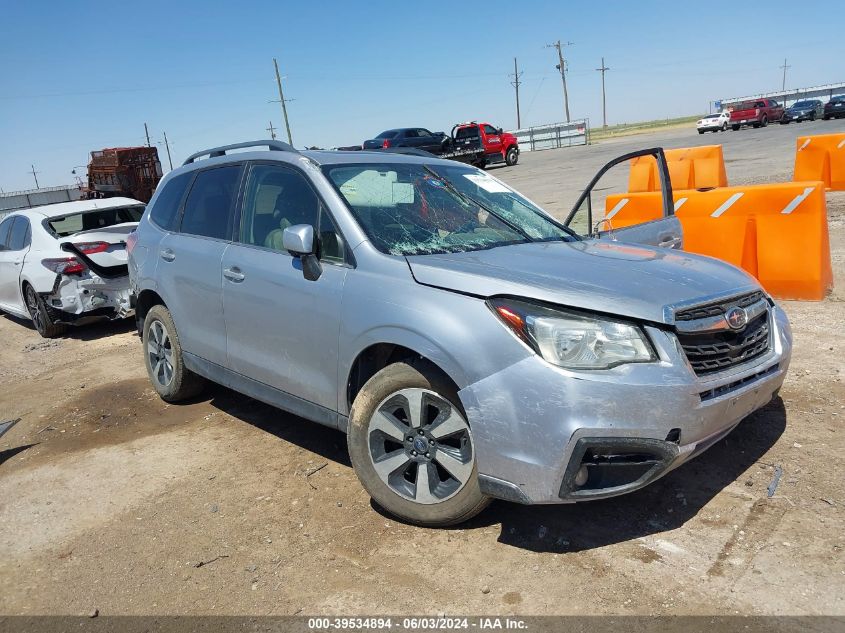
(79, 299)
(533, 423)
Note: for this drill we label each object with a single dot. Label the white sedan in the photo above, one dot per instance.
(717, 122)
(66, 263)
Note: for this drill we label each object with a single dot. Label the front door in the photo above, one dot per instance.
(282, 329)
(605, 208)
(14, 243)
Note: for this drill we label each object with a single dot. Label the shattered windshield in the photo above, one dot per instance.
(412, 209)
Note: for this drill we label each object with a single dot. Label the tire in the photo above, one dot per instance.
(384, 431)
(735, 128)
(784, 122)
(701, 131)
(724, 127)
(163, 358)
(825, 117)
(511, 157)
(764, 121)
(41, 319)
(812, 116)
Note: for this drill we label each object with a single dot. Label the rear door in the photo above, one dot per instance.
(190, 272)
(606, 209)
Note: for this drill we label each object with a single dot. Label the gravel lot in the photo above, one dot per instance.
(114, 500)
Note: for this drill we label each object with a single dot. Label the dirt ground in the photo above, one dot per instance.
(116, 501)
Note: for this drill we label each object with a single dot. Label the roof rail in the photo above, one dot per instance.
(214, 152)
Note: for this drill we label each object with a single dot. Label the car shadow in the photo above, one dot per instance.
(86, 332)
(316, 438)
(9, 453)
(662, 506)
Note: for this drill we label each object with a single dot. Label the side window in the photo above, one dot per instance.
(410, 134)
(276, 197)
(490, 130)
(332, 248)
(165, 211)
(760, 104)
(19, 235)
(423, 132)
(210, 204)
(5, 229)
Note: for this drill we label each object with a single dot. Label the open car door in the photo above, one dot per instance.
(605, 196)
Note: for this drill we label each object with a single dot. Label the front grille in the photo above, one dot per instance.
(717, 308)
(720, 348)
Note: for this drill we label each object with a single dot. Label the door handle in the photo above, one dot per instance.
(168, 255)
(233, 274)
(669, 241)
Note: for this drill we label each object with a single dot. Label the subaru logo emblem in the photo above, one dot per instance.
(420, 444)
(737, 318)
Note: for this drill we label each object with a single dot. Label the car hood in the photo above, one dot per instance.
(604, 276)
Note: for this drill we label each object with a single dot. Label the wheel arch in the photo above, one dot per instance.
(376, 356)
(143, 303)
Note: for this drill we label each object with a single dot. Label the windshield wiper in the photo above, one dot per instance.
(485, 208)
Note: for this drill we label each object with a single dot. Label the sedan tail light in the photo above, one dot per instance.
(92, 247)
(64, 265)
(131, 240)
(386, 143)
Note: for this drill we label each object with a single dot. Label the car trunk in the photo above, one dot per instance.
(104, 246)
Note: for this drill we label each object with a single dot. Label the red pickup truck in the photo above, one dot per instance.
(758, 113)
(499, 146)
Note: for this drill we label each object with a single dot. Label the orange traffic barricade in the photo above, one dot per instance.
(821, 157)
(689, 168)
(777, 232)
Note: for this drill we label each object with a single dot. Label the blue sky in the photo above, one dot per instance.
(85, 75)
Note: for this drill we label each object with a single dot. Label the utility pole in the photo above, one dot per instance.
(783, 87)
(282, 99)
(167, 147)
(515, 83)
(272, 131)
(33, 172)
(147, 132)
(603, 70)
(561, 66)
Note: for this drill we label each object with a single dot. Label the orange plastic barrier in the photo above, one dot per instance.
(689, 168)
(821, 157)
(776, 232)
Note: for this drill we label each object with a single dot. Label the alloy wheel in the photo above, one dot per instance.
(160, 353)
(34, 309)
(420, 446)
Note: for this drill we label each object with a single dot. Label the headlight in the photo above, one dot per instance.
(574, 340)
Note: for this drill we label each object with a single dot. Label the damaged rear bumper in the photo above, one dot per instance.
(77, 300)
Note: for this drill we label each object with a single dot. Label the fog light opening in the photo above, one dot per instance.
(582, 476)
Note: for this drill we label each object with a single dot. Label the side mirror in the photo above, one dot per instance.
(299, 239)
(501, 131)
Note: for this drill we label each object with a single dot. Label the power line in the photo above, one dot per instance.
(603, 70)
(167, 147)
(515, 83)
(272, 131)
(561, 66)
(33, 172)
(783, 87)
(147, 132)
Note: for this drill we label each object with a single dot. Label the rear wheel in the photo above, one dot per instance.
(735, 128)
(412, 448)
(163, 358)
(701, 131)
(39, 315)
(826, 118)
(511, 157)
(764, 121)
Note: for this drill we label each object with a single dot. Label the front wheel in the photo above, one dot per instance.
(163, 358)
(511, 157)
(735, 128)
(412, 448)
(701, 131)
(764, 122)
(724, 127)
(44, 325)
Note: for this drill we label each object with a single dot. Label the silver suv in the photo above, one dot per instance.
(470, 345)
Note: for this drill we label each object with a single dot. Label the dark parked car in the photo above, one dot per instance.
(834, 108)
(806, 110)
(416, 137)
